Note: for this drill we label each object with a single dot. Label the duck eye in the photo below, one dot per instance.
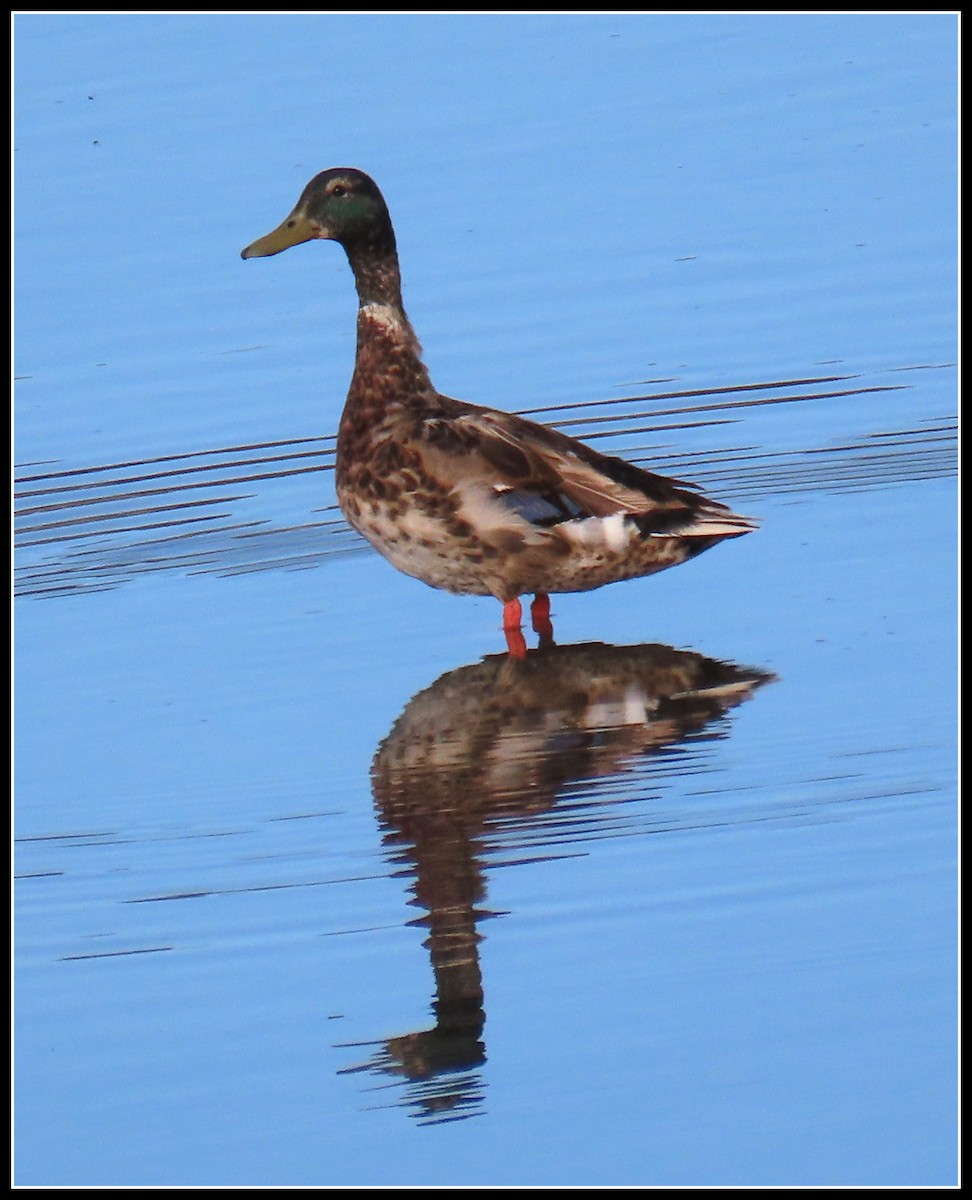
(339, 190)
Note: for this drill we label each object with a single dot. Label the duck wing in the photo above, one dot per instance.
(547, 477)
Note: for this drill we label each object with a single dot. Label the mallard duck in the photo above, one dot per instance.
(475, 500)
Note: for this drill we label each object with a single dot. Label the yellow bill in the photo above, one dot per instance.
(296, 229)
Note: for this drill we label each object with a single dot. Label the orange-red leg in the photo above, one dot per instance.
(512, 616)
(540, 617)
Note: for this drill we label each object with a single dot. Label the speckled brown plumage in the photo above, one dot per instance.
(470, 499)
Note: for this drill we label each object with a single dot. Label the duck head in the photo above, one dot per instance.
(341, 205)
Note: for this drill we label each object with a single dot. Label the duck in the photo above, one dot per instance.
(470, 499)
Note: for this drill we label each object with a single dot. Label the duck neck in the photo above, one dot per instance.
(389, 357)
(376, 275)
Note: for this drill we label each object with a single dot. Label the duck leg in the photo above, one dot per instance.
(512, 616)
(540, 617)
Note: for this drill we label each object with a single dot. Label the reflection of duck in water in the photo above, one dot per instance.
(471, 499)
(469, 766)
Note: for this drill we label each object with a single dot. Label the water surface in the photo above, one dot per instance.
(314, 886)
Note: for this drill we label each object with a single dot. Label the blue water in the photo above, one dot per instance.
(262, 936)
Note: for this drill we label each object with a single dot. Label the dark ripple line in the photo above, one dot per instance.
(141, 462)
(92, 518)
(114, 953)
(686, 393)
(257, 477)
(147, 476)
(101, 533)
(739, 404)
